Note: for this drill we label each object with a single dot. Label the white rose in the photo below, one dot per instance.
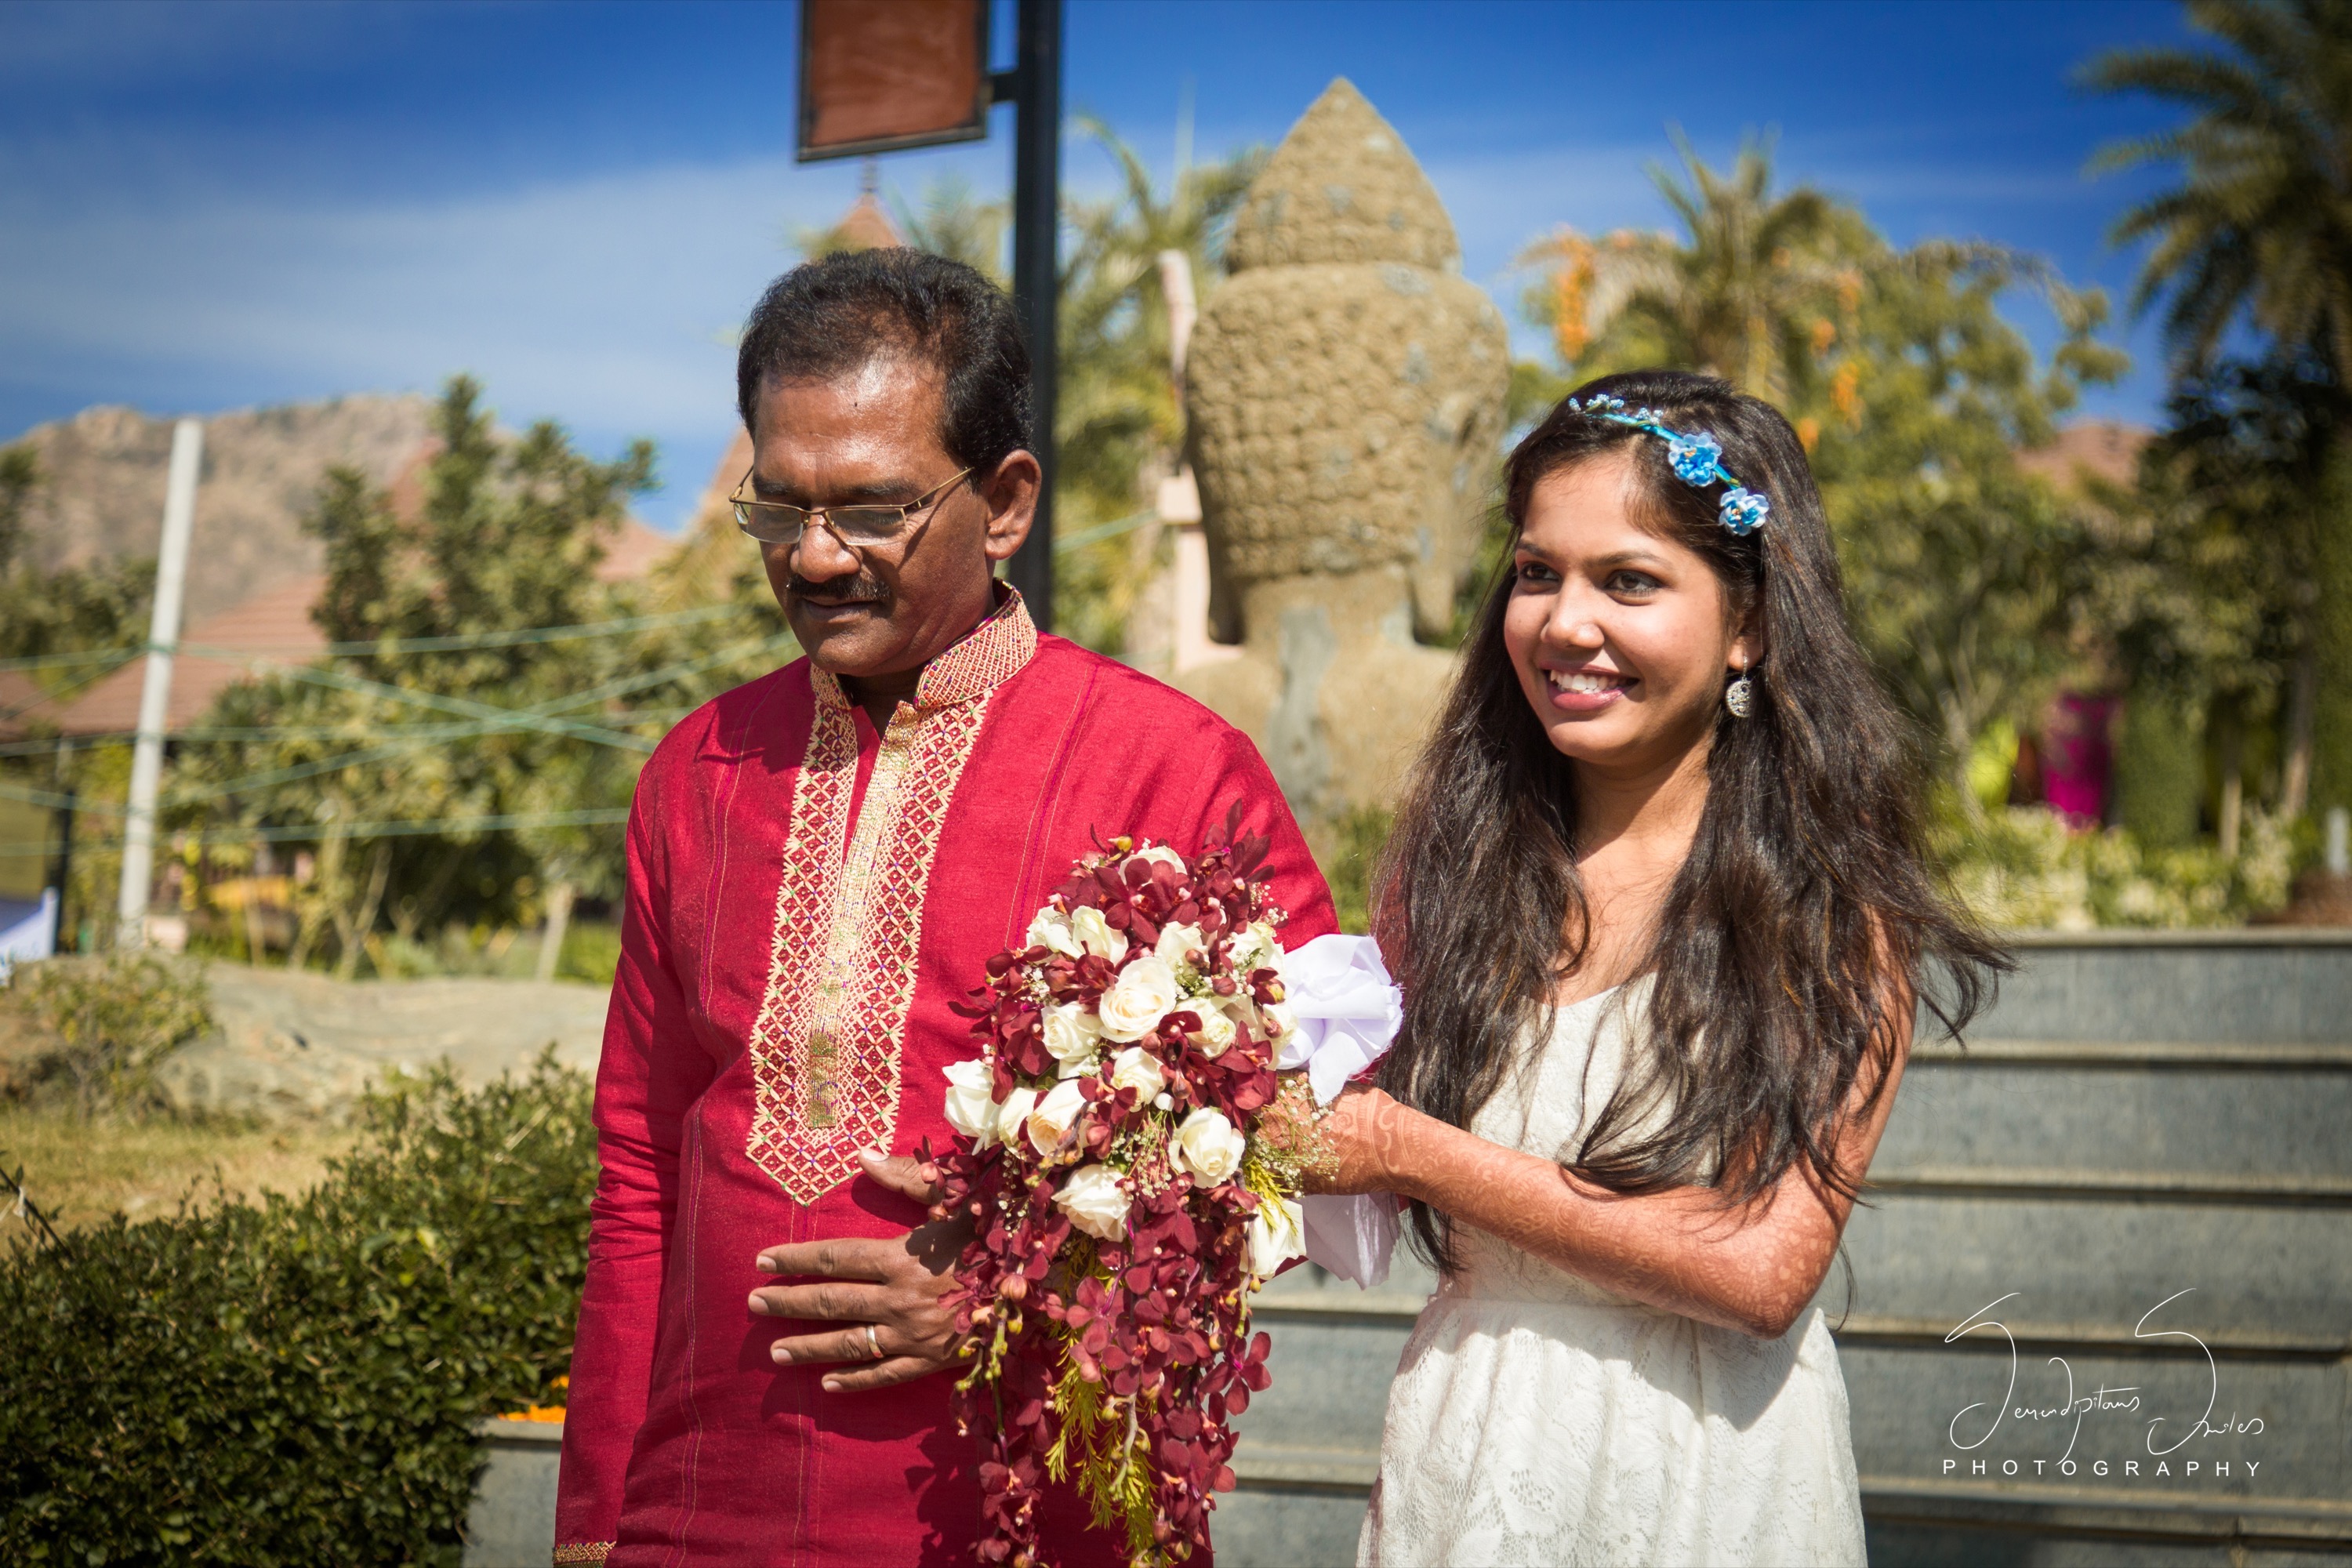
(1054, 1115)
(1051, 928)
(1277, 1234)
(1159, 854)
(1178, 945)
(1256, 949)
(1143, 993)
(1277, 1020)
(1138, 1070)
(1095, 936)
(1011, 1115)
(1092, 1199)
(1073, 1034)
(971, 1100)
(1216, 1033)
(1209, 1147)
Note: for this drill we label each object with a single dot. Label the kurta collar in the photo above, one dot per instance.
(990, 654)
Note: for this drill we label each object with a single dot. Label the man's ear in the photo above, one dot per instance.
(1011, 492)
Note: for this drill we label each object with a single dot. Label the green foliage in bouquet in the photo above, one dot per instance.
(298, 1383)
(1105, 1159)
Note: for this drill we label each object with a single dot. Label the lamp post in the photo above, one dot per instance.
(1034, 88)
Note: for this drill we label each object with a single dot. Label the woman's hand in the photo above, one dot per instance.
(1359, 1141)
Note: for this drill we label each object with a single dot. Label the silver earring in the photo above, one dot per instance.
(1740, 696)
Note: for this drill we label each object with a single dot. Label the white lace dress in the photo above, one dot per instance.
(1539, 1419)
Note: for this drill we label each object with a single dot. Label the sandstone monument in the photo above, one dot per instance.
(1346, 390)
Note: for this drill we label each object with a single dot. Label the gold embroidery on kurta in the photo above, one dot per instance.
(571, 1552)
(842, 967)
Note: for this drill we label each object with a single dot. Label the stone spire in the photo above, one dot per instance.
(1343, 188)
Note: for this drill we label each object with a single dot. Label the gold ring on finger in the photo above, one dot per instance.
(873, 1342)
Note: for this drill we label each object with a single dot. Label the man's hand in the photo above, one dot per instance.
(888, 1290)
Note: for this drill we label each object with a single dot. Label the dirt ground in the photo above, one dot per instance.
(79, 1173)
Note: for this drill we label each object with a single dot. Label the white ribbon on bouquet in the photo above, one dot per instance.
(1348, 1012)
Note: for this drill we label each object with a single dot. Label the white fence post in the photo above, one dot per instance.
(156, 696)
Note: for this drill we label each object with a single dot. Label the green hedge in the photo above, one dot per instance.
(298, 1383)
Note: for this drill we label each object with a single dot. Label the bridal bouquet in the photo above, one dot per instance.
(1132, 1162)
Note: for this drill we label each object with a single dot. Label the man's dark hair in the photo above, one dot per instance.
(837, 314)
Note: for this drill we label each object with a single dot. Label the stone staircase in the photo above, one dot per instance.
(2137, 1179)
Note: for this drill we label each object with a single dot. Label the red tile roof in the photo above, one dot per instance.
(273, 626)
(867, 227)
(22, 699)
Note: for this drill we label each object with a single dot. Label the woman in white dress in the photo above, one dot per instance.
(1658, 900)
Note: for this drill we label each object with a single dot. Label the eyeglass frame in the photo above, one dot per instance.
(821, 515)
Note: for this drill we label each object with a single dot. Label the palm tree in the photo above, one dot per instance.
(1749, 292)
(2259, 233)
(1119, 408)
(1901, 377)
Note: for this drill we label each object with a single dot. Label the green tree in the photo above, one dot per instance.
(68, 610)
(2258, 232)
(1118, 413)
(1913, 394)
(1960, 568)
(460, 698)
(1747, 291)
(2207, 578)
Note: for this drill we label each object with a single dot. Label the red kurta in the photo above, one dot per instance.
(806, 899)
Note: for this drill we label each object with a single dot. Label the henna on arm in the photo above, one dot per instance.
(1751, 1270)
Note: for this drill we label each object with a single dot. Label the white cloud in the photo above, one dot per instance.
(605, 302)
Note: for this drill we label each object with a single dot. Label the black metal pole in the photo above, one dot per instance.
(1036, 272)
(66, 942)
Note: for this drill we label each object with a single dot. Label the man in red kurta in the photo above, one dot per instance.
(820, 865)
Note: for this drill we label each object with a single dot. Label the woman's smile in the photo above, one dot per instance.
(1586, 690)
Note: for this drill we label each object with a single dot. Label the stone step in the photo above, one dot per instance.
(2084, 1255)
(1310, 1443)
(2187, 1108)
(2279, 985)
(1979, 1524)
(2126, 1420)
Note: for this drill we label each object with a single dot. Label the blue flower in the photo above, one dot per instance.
(1744, 510)
(1693, 456)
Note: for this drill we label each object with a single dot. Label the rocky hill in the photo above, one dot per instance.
(103, 472)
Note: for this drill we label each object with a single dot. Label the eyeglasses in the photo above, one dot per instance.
(773, 523)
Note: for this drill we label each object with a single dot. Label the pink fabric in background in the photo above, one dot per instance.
(2075, 758)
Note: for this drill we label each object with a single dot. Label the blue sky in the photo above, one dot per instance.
(213, 206)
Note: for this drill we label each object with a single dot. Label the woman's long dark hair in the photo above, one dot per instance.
(1799, 927)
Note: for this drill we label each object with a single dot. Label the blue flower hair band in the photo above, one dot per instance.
(1696, 459)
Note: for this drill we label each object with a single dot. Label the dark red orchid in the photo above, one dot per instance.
(1155, 1318)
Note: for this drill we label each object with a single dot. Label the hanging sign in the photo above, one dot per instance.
(878, 76)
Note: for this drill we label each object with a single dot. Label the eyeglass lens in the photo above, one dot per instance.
(780, 524)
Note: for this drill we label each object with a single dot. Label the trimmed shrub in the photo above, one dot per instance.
(100, 1026)
(2159, 770)
(2026, 869)
(298, 1382)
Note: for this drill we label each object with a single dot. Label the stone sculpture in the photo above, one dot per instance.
(1346, 390)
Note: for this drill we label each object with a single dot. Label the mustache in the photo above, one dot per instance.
(863, 589)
